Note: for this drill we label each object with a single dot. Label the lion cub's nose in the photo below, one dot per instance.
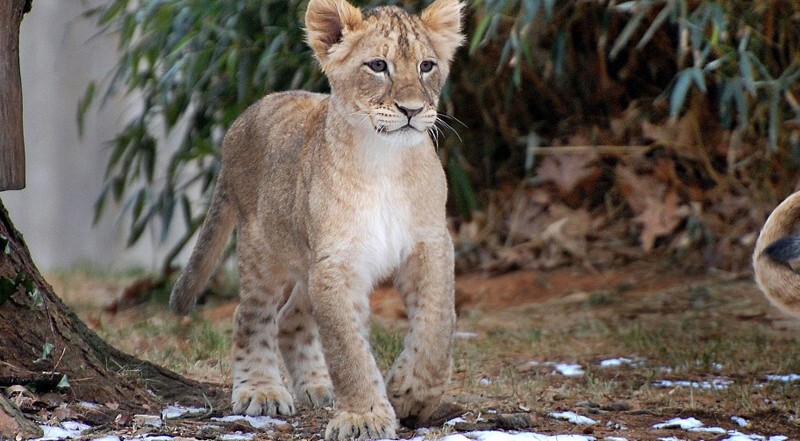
(409, 110)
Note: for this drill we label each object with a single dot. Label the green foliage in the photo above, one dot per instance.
(9, 287)
(47, 350)
(535, 67)
(387, 344)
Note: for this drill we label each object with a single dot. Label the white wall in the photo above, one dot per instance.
(58, 58)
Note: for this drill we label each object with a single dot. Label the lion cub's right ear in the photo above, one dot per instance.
(327, 22)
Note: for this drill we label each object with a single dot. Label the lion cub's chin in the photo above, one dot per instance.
(407, 136)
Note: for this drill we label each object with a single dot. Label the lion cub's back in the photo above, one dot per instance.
(262, 147)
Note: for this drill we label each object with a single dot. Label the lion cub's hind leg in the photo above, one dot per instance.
(257, 385)
(302, 353)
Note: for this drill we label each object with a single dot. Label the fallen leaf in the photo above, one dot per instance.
(660, 218)
(637, 189)
(567, 170)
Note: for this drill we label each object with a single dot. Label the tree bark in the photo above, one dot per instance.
(33, 318)
(42, 342)
(12, 144)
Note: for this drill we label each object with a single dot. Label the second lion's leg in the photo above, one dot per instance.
(302, 353)
(419, 376)
(257, 385)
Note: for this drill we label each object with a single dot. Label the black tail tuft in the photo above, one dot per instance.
(784, 250)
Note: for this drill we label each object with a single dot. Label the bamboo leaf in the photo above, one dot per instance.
(680, 91)
(83, 105)
(626, 35)
(662, 16)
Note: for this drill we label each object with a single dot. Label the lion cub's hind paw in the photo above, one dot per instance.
(316, 396)
(272, 401)
(350, 425)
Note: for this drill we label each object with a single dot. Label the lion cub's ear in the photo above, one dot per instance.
(327, 22)
(443, 20)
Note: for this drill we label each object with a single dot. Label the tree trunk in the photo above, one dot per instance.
(12, 145)
(43, 342)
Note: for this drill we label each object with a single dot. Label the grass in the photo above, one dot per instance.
(689, 333)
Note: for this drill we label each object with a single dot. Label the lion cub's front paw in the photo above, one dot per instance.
(263, 400)
(413, 401)
(370, 425)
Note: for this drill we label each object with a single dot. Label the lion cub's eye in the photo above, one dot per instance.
(426, 66)
(377, 65)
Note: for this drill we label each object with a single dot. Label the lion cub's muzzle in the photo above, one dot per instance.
(405, 116)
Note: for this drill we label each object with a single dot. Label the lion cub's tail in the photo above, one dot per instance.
(777, 247)
(214, 235)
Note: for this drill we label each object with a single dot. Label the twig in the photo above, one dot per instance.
(615, 149)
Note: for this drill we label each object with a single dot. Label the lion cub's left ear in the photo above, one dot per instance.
(327, 22)
(443, 20)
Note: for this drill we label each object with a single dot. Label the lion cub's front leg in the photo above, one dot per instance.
(419, 376)
(339, 296)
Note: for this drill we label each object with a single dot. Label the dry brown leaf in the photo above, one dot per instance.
(567, 170)
(660, 218)
(638, 189)
(682, 132)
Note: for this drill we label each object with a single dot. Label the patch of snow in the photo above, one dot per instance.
(176, 410)
(621, 361)
(68, 430)
(740, 421)
(680, 423)
(716, 384)
(108, 438)
(738, 436)
(615, 362)
(615, 438)
(485, 381)
(572, 417)
(569, 369)
(671, 438)
(790, 378)
(237, 436)
(454, 421)
(454, 437)
(153, 438)
(719, 430)
(522, 436)
(566, 369)
(465, 335)
(258, 422)
(89, 405)
(148, 420)
(613, 425)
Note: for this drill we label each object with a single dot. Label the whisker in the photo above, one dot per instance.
(446, 125)
(452, 118)
(434, 132)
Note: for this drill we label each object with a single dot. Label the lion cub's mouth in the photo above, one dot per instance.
(408, 128)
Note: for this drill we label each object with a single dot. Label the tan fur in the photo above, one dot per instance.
(329, 195)
(777, 280)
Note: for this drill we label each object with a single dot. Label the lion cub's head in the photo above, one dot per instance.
(386, 67)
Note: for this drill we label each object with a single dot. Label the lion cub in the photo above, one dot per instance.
(330, 194)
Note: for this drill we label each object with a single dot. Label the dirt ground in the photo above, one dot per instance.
(690, 345)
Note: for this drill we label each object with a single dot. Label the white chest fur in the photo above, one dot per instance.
(386, 233)
(384, 222)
